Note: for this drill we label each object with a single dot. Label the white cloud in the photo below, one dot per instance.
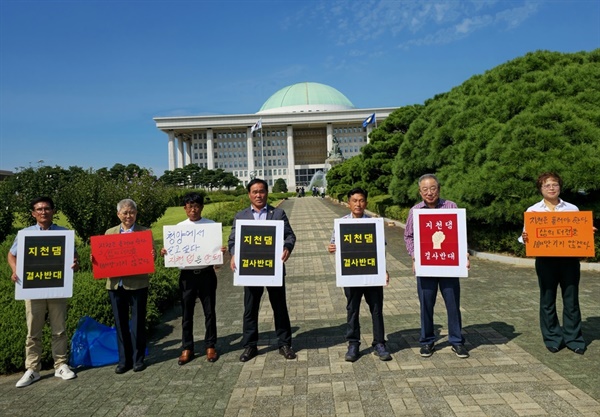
(412, 22)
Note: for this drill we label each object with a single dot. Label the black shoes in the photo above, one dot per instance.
(381, 351)
(579, 351)
(460, 351)
(139, 367)
(248, 353)
(555, 349)
(287, 352)
(427, 350)
(251, 351)
(121, 369)
(352, 354)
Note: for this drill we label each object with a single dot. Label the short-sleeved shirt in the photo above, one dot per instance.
(13, 248)
(347, 216)
(201, 221)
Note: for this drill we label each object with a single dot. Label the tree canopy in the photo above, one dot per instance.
(86, 198)
(489, 138)
(193, 176)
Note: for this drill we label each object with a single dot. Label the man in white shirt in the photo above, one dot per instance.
(197, 282)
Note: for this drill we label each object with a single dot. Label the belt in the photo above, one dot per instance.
(194, 271)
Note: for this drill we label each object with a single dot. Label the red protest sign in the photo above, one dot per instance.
(439, 239)
(440, 243)
(122, 254)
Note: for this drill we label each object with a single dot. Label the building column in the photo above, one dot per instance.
(179, 152)
(188, 152)
(369, 130)
(171, 150)
(329, 139)
(210, 161)
(291, 159)
(250, 152)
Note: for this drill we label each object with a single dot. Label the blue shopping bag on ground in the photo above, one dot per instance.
(93, 344)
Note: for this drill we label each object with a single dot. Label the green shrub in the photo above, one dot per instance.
(485, 238)
(226, 211)
(397, 213)
(379, 203)
(7, 207)
(280, 186)
(280, 196)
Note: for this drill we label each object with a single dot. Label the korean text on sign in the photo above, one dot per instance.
(44, 260)
(122, 254)
(193, 245)
(560, 233)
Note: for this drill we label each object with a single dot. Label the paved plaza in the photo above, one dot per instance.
(509, 373)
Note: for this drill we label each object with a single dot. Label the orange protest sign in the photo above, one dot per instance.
(559, 233)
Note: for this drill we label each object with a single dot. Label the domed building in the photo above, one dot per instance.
(297, 128)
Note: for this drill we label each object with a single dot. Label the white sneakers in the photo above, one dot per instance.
(64, 372)
(29, 378)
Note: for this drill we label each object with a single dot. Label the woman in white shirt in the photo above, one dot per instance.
(554, 271)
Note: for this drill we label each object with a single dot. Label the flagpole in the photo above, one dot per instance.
(262, 152)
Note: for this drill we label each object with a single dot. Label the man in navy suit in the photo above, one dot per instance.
(260, 210)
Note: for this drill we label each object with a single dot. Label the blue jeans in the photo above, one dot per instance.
(427, 287)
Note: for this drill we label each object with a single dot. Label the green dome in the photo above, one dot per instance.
(306, 97)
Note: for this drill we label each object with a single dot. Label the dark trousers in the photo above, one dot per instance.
(427, 288)
(553, 272)
(283, 329)
(131, 340)
(202, 284)
(374, 298)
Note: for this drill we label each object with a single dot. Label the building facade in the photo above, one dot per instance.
(298, 126)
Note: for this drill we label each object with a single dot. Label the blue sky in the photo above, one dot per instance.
(80, 81)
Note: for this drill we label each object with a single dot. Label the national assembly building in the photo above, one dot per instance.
(290, 137)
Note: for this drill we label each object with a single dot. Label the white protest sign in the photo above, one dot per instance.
(193, 245)
(44, 260)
